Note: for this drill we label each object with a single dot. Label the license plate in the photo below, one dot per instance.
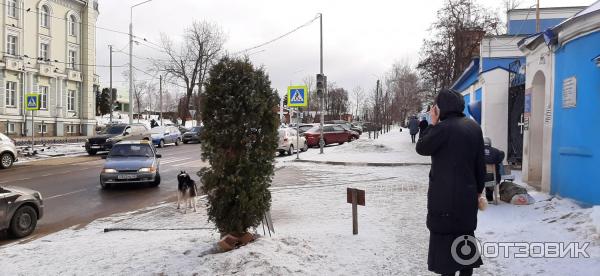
(96, 147)
(127, 176)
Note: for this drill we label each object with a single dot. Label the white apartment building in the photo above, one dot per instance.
(48, 47)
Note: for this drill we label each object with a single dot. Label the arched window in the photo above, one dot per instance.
(12, 8)
(73, 25)
(45, 16)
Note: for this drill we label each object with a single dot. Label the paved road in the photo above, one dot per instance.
(71, 188)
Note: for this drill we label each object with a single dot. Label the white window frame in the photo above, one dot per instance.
(11, 94)
(42, 128)
(71, 129)
(72, 59)
(11, 9)
(45, 53)
(44, 97)
(71, 99)
(45, 16)
(72, 25)
(11, 128)
(12, 48)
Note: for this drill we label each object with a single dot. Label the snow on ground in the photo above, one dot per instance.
(392, 147)
(313, 232)
(50, 151)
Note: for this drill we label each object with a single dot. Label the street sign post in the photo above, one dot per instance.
(356, 197)
(32, 103)
(297, 96)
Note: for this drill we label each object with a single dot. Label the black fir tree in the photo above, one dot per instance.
(239, 140)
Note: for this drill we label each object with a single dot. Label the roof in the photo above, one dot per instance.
(550, 8)
(468, 77)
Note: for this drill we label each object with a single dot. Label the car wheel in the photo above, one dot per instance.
(305, 148)
(156, 181)
(341, 143)
(104, 185)
(291, 150)
(161, 144)
(177, 141)
(352, 138)
(185, 142)
(92, 152)
(6, 160)
(23, 222)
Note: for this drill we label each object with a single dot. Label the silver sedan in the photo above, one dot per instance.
(131, 162)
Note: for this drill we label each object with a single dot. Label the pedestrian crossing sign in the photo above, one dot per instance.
(297, 96)
(32, 102)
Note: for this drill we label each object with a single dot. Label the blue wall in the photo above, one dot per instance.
(527, 27)
(467, 101)
(478, 94)
(493, 63)
(576, 131)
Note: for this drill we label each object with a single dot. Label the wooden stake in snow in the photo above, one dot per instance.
(355, 197)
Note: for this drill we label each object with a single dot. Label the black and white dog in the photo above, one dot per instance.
(186, 191)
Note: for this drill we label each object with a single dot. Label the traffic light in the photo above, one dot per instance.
(321, 84)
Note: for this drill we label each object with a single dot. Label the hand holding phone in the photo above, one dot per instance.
(435, 115)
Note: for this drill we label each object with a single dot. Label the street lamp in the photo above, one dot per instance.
(131, 61)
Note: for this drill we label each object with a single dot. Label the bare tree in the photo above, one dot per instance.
(189, 62)
(358, 99)
(404, 93)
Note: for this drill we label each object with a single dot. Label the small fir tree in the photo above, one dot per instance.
(239, 140)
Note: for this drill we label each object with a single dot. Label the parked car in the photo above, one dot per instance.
(165, 135)
(115, 133)
(289, 141)
(303, 128)
(346, 124)
(8, 152)
(131, 162)
(332, 134)
(193, 135)
(20, 209)
(183, 129)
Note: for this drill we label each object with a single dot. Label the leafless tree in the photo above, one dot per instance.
(189, 62)
(358, 99)
(404, 93)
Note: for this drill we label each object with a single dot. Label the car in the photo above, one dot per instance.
(8, 152)
(193, 135)
(115, 133)
(346, 124)
(131, 162)
(20, 210)
(183, 129)
(332, 134)
(303, 128)
(289, 140)
(165, 135)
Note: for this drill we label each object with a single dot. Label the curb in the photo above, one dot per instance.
(362, 164)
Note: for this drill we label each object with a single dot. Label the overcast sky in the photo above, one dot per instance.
(362, 39)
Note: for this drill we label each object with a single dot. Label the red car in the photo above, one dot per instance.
(332, 134)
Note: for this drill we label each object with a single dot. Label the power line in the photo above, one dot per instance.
(61, 62)
(279, 37)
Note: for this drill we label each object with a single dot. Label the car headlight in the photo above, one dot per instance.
(38, 196)
(147, 170)
(109, 171)
(87, 140)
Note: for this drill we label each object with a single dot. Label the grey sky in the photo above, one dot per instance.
(361, 38)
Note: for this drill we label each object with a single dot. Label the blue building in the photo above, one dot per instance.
(562, 107)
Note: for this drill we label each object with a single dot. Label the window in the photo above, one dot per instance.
(43, 97)
(10, 128)
(45, 17)
(72, 59)
(72, 25)
(12, 8)
(44, 51)
(11, 94)
(42, 128)
(71, 100)
(71, 129)
(11, 45)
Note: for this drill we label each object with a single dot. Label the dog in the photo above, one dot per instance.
(186, 191)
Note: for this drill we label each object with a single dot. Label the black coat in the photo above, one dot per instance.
(413, 126)
(457, 175)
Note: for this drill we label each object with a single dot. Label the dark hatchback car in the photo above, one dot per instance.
(20, 209)
(131, 162)
(193, 135)
(115, 133)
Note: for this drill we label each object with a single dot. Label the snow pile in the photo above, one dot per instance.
(595, 216)
(391, 147)
(58, 150)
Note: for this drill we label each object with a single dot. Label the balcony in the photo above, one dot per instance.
(13, 63)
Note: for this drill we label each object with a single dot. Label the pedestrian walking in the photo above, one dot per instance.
(413, 127)
(456, 181)
(423, 124)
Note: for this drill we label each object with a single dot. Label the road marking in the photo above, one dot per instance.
(56, 196)
(174, 160)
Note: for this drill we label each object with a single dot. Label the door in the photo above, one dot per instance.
(340, 134)
(516, 116)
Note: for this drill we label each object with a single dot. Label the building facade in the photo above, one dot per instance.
(48, 48)
(562, 98)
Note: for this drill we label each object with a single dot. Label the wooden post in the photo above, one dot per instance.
(354, 212)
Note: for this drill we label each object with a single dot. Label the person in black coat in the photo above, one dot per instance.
(413, 127)
(493, 156)
(423, 124)
(456, 180)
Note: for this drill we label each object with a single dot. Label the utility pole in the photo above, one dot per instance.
(537, 17)
(322, 141)
(110, 92)
(130, 68)
(160, 99)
